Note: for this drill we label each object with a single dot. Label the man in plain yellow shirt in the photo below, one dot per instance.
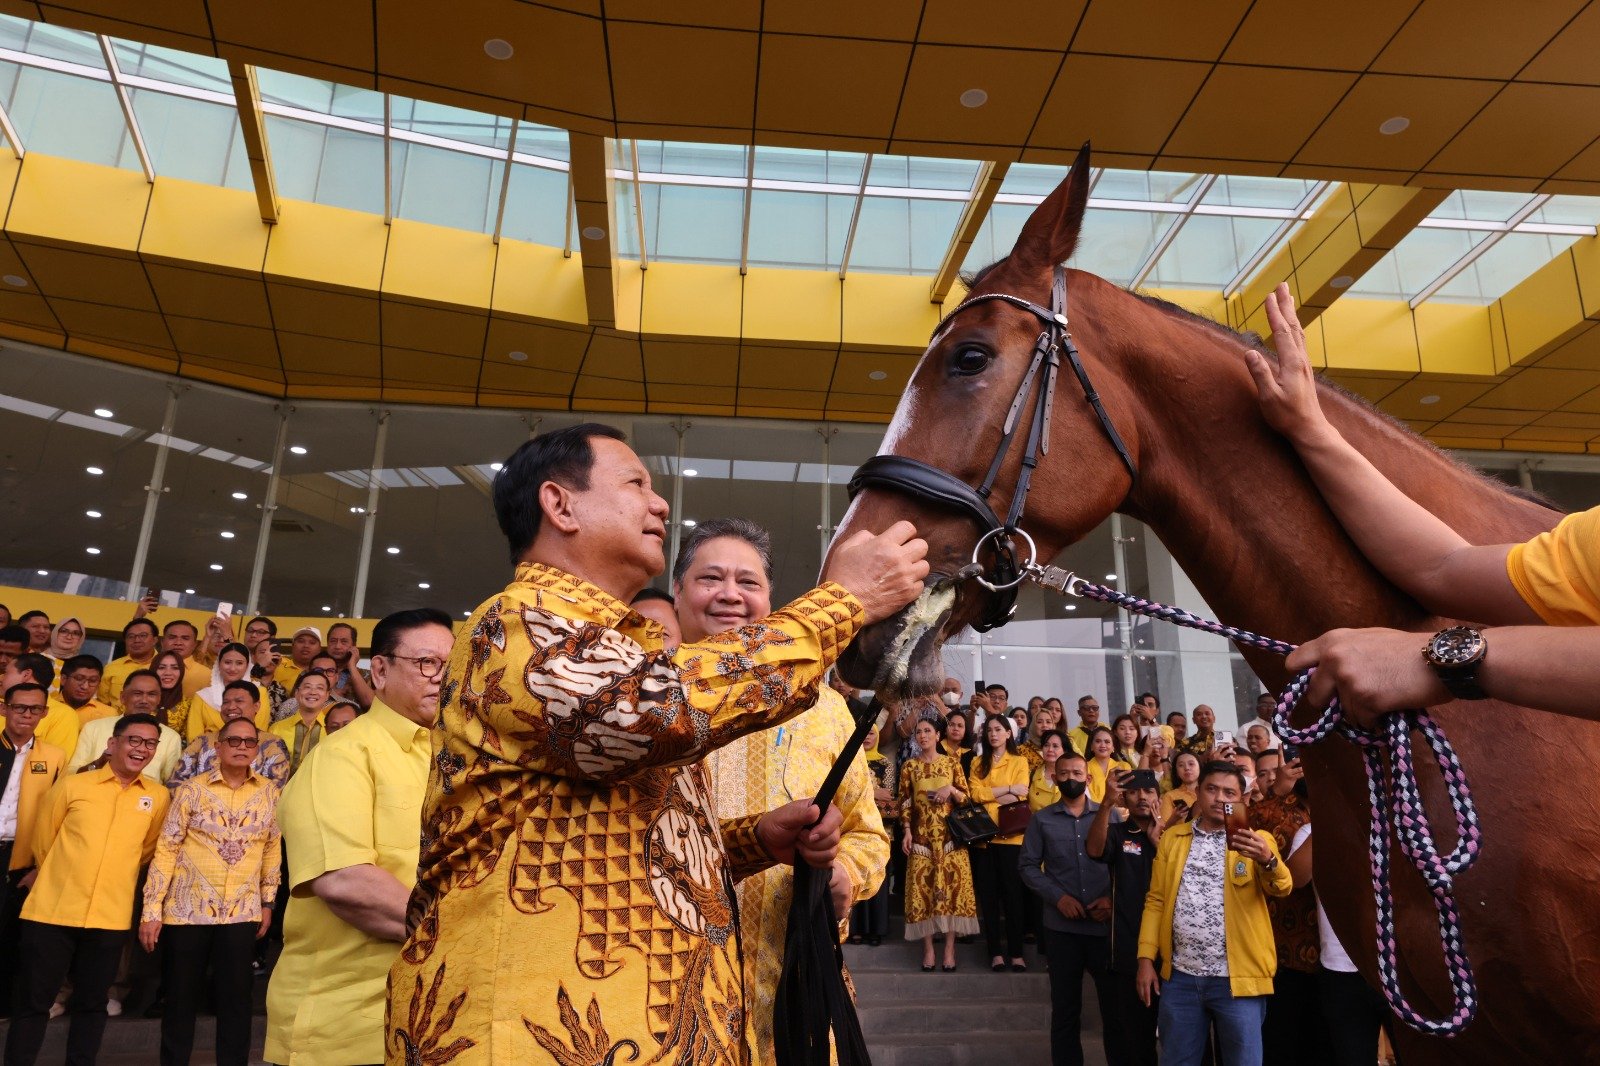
(139, 638)
(140, 695)
(182, 637)
(60, 725)
(352, 823)
(94, 831)
(80, 680)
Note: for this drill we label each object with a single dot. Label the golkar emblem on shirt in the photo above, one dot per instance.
(147, 803)
(1238, 868)
(38, 768)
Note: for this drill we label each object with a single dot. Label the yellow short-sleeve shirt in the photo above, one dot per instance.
(356, 799)
(1558, 573)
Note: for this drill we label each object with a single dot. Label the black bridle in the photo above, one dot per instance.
(941, 488)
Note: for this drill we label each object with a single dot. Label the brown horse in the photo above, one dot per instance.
(1231, 501)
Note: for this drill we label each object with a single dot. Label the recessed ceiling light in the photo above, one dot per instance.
(297, 449)
(497, 466)
(103, 412)
(593, 233)
(1002, 656)
(358, 510)
(16, 281)
(216, 566)
(1111, 577)
(327, 608)
(974, 98)
(877, 375)
(241, 496)
(498, 48)
(1072, 607)
(1392, 126)
(466, 614)
(423, 585)
(517, 357)
(1342, 281)
(188, 592)
(44, 573)
(1429, 399)
(95, 470)
(393, 550)
(92, 551)
(689, 523)
(226, 534)
(691, 472)
(93, 514)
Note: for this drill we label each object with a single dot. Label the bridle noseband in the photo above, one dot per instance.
(930, 484)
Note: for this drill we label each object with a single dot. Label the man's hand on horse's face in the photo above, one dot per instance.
(885, 571)
(1372, 671)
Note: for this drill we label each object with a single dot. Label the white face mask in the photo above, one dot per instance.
(950, 699)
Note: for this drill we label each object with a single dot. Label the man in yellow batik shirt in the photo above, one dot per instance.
(573, 901)
(722, 580)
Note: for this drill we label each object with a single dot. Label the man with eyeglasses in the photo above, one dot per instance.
(139, 639)
(1088, 719)
(210, 892)
(28, 767)
(351, 818)
(270, 759)
(140, 695)
(94, 831)
(80, 680)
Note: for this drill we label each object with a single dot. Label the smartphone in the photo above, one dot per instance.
(1291, 752)
(224, 610)
(1234, 815)
(1224, 736)
(1146, 730)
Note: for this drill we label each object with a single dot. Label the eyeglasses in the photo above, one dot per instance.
(241, 742)
(22, 708)
(429, 666)
(144, 743)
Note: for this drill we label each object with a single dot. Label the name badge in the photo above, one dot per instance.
(1132, 847)
(147, 803)
(1239, 868)
(38, 768)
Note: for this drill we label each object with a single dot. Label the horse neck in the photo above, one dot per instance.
(1237, 510)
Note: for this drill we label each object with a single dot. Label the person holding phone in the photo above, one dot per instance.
(1180, 798)
(1212, 972)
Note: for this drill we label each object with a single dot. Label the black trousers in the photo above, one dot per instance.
(1295, 1032)
(11, 898)
(1000, 895)
(1071, 955)
(1354, 1012)
(870, 917)
(227, 951)
(1135, 1024)
(51, 954)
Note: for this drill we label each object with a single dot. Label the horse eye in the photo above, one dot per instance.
(971, 361)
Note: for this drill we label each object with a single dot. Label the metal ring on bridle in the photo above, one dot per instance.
(1024, 570)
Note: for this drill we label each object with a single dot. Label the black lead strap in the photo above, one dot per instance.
(812, 1001)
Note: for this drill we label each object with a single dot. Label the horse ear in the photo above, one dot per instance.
(1051, 232)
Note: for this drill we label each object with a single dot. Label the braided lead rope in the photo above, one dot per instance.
(1393, 795)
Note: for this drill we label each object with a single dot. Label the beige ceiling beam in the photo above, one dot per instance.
(247, 95)
(1355, 227)
(593, 159)
(984, 189)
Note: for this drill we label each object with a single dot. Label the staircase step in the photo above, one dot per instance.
(963, 986)
(987, 1049)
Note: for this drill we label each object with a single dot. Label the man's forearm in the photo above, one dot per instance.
(1547, 668)
(372, 900)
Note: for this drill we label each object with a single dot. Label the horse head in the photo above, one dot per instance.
(951, 417)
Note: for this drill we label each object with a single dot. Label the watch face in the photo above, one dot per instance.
(1456, 646)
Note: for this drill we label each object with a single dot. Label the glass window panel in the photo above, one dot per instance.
(997, 236)
(455, 123)
(1569, 210)
(535, 205)
(546, 142)
(1032, 179)
(626, 220)
(681, 157)
(327, 165)
(917, 172)
(1113, 244)
(1209, 250)
(194, 140)
(895, 236)
(804, 164)
(1499, 270)
(1420, 257)
(1234, 190)
(445, 188)
(170, 65)
(1481, 205)
(694, 224)
(51, 42)
(68, 116)
(324, 97)
(1147, 185)
(798, 229)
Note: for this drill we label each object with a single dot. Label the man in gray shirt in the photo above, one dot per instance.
(1077, 910)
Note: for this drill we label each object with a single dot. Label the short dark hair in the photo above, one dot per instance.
(355, 638)
(272, 627)
(938, 721)
(563, 456)
(650, 592)
(997, 685)
(147, 673)
(1085, 699)
(1148, 696)
(40, 666)
(712, 528)
(246, 719)
(1274, 752)
(1070, 753)
(78, 662)
(241, 685)
(128, 721)
(15, 634)
(26, 686)
(1176, 714)
(386, 635)
(155, 631)
(26, 615)
(235, 646)
(1066, 742)
(1217, 766)
(180, 622)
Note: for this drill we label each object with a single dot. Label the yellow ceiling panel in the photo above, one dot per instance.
(222, 340)
(668, 73)
(1491, 416)
(536, 281)
(330, 357)
(1585, 166)
(615, 356)
(1454, 339)
(1528, 130)
(433, 329)
(596, 388)
(931, 109)
(83, 274)
(1446, 37)
(439, 266)
(1165, 28)
(1580, 353)
(1437, 107)
(1137, 103)
(116, 20)
(443, 395)
(511, 378)
(26, 308)
(522, 401)
(704, 396)
(1551, 433)
(1570, 420)
(717, 14)
(231, 372)
(165, 362)
(545, 348)
(691, 300)
(78, 203)
(1432, 398)
(343, 30)
(1588, 403)
(1372, 388)
(204, 224)
(22, 9)
(1540, 389)
(841, 403)
(884, 20)
(105, 323)
(786, 368)
(329, 245)
(324, 312)
(1342, 36)
(1438, 180)
(883, 311)
(1544, 311)
(864, 79)
(402, 366)
(674, 363)
(1282, 106)
(208, 294)
(802, 306)
(1569, 57)
(1470, 431)
(1367, 335)
(855, 372)
(1002, 24)
(782, 399)
(11, 263)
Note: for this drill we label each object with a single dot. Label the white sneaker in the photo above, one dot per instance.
(114, 1008)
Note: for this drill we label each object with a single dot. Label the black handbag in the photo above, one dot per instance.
(970, 824)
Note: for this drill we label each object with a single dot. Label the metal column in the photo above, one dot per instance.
(827, 433)
(152, 498)
(680, 427)
(269, 504)
(358, 604)
(1119, 556)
